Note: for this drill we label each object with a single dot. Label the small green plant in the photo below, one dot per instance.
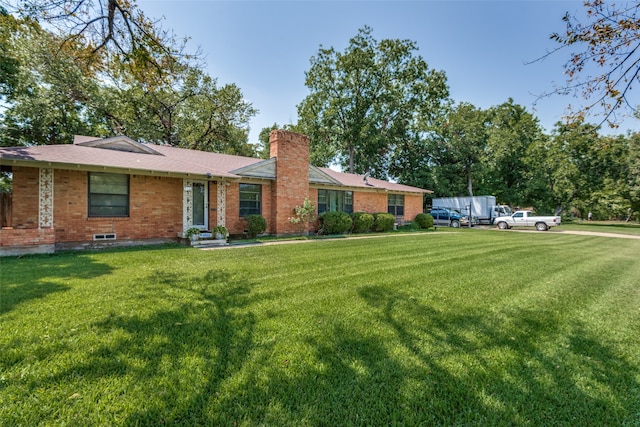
(362, 222)
(221, 229)
(192, 233)
(335, 223)
(304, 214)
(256, 224)
(424, 220)
(383, 222)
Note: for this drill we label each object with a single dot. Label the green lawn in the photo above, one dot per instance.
(617, 227)
(439, 328)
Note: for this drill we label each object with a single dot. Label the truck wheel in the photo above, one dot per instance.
(455, 223)
(541, 226)
(503, 225)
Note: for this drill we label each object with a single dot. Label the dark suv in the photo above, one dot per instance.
(444, 216)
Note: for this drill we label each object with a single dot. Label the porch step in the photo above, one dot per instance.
(209, 243)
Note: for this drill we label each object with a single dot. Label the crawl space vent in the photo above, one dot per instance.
(110, 236)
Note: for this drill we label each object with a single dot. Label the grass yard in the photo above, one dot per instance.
(617, 227)
(442, 328)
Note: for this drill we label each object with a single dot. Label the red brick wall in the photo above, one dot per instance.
(369, 202)
(24, 229)
(232, 211)
(26, 237)
(313, 196)
(6, 209)
(412, 206)
(155, 209)
(70, 206)
(378, 202)
(26, 190)
(237, 225)
(213, 204)
(292, 184)
(156, 202)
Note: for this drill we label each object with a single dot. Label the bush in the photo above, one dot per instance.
(335, 222)
(383, 221)
(362, 222)
(256, 224)
(424, 220)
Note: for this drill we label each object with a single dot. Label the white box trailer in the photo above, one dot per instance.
(484, 208)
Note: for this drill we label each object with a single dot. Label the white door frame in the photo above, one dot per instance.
(205, 204)
(187, 204)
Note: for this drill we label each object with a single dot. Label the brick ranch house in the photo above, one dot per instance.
(117, 191)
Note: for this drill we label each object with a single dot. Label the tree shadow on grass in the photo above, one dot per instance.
(171, 363)
(200, 360)
(448, 369)
(34, 277)
(485, 368)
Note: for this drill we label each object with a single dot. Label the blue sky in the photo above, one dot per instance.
(484, 47)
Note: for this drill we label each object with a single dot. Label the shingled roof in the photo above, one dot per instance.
(124, 155)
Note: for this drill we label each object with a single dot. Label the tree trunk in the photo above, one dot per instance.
(351, 153)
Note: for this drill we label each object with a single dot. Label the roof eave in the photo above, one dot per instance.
(369, 189)
(265, 169)
(116, 169)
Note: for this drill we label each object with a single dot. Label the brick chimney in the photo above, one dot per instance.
(291, 151)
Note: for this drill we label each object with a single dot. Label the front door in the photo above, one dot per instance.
(200, 204)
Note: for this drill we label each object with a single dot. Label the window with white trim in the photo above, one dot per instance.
(250, 199)
(395, 204)
(108, 194)
(335, 200)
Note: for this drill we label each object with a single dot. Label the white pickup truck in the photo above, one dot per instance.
(527, 219)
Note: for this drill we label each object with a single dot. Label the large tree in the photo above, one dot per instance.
(365, 101)
(183, 108)
(633, 181)
(510, 133)
(577, 171)
(8, 62)
(464, 140)
(565, 163)
(49, 95)
(106, 27)
(604, 58)
(609, 196)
